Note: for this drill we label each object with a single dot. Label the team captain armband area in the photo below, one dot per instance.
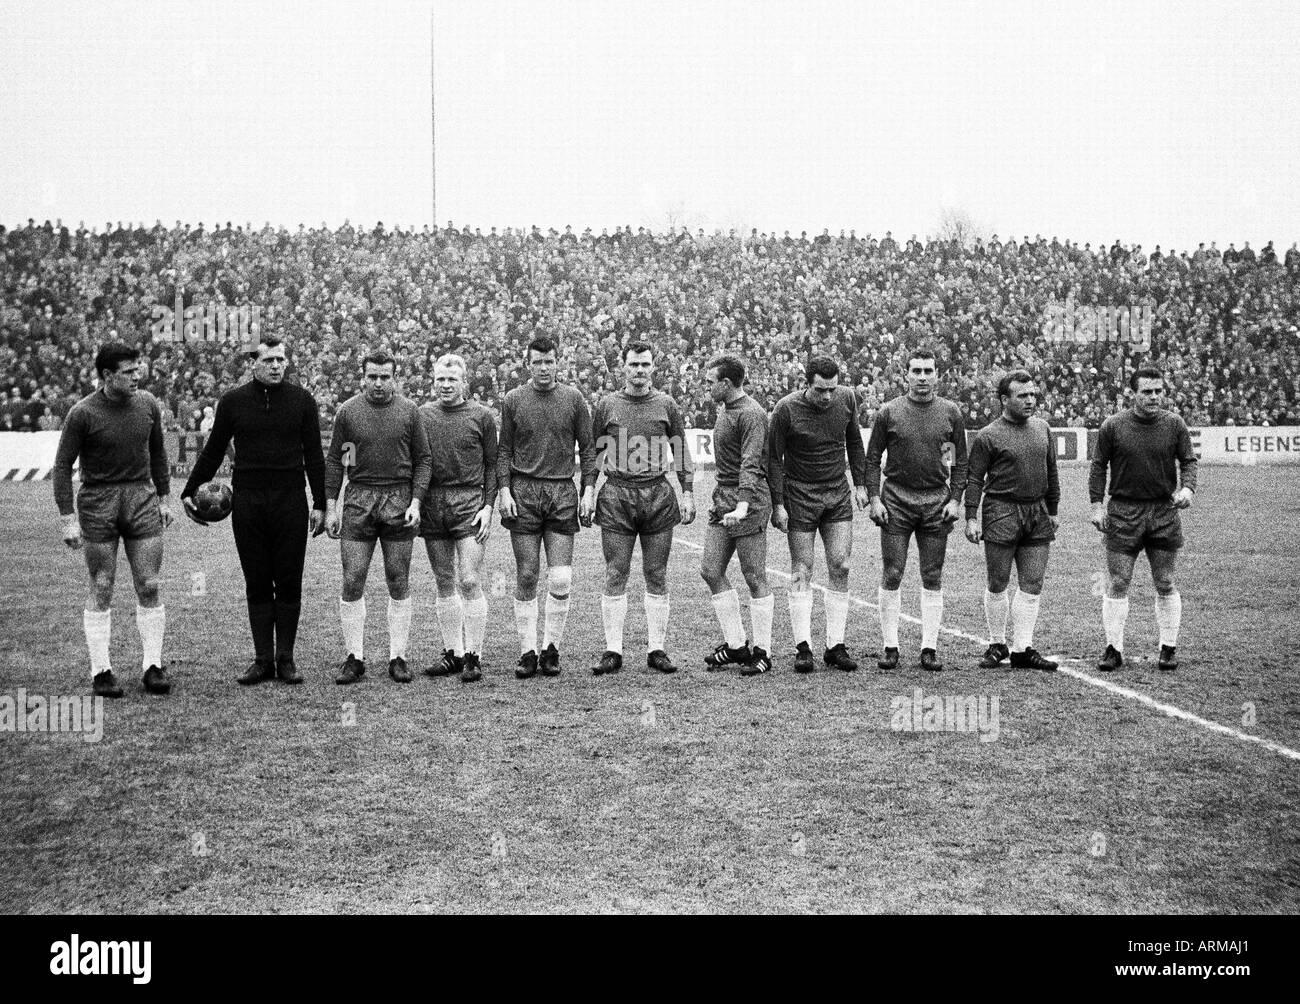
(992, 792)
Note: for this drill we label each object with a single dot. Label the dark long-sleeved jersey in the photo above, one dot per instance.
(1148, 458)
(808, 444)
(538, 433)
(115, 441)
(387, 447)
(1014, 461)
(914, 439)
(463, 442)
(639, 439)
(740, 450)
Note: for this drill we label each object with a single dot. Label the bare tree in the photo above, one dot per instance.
(955, 224)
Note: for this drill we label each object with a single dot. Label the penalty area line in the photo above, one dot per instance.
(1170, 710)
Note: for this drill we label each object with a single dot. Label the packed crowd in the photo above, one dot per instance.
(1224, 322)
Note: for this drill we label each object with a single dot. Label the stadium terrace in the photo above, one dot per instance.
(1223, 324)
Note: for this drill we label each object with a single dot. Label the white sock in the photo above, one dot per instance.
(891, 604)
(1169, 617)
(399, 627)
(97, 625)
(451, 618)
(996, 608)
(760, 615)
(557, 615)
(727, 607)
(1114, 614)
(1024, 615)
(931, 617)
(476, 615)
(837, 615)
(151, 622)
(800, 615)
(526, 624)
(352, 613)
(613, 612)
(656, 622)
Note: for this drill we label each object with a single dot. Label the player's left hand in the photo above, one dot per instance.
(973, 531)
(412, 515)
(72, 532)
(1056, 523)
(951, 511)
(316, 522)
(483, 520)
(780, 518)
(688, 508)
(192, 511)
(165, 514)
(1182, 498)
(587, 506)
(861, 497)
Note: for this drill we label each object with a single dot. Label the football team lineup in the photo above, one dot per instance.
(441, 471)
(394, 471)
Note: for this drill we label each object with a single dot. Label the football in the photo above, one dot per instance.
(213, 501)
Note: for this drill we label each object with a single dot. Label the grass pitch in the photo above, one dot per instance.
(698, 792)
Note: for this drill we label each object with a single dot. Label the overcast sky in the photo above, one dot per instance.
(1167, 123)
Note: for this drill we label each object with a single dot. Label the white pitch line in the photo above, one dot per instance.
(1114, 688)
(1176, 712)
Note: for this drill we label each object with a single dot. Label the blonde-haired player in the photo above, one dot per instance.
(457, 515)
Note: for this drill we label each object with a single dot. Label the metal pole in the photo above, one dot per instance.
(433, 128)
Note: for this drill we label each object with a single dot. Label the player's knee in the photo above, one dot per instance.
(469, 585)
(712, 577)
(891, 577)
(932, 576)
(756, 580)
(354, 587)
(1165, 585)
(446, 583)
(146, 589)
(656, 581)
(837, 568)
(800, 575)
(1030, 587)
(399, 587)
(615, 580)
(101, 584)
(559, 580)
